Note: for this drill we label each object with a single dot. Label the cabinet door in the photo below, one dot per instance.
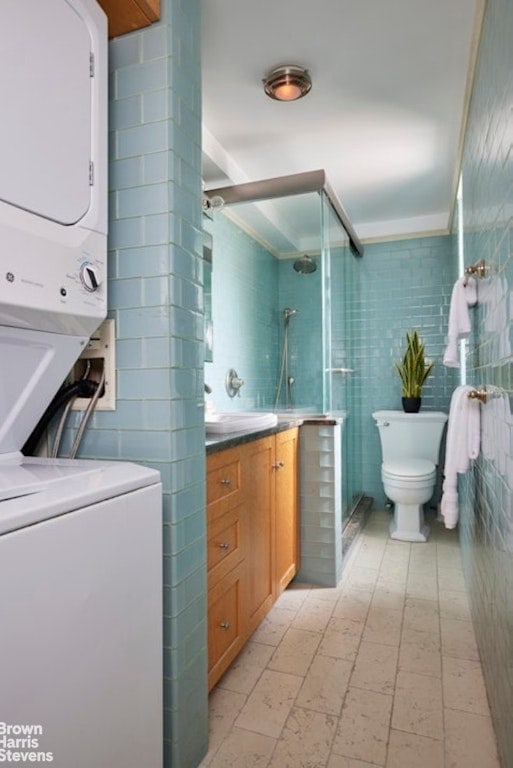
(226, 634)
(286, 512)
(257, 459)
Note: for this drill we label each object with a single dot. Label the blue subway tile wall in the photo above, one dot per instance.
(346, 388)
(155, 297)
(304, 293)
(486, 493)
(404, 284)
(245, 318)
(396, 286)
(250, 289)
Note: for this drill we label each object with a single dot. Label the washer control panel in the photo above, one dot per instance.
(90, 276)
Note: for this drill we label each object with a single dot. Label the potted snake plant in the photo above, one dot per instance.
(413, 371)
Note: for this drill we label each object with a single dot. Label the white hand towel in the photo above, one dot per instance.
(464, 295)
(463, 442)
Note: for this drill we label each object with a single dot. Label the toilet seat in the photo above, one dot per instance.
(409, 469)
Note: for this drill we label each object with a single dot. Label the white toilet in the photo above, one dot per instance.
(410, 443)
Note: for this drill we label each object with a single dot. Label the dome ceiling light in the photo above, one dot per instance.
(287, 83)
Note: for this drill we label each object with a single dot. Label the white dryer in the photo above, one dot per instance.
(80, 541)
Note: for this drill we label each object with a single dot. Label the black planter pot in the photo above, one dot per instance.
(411, 404)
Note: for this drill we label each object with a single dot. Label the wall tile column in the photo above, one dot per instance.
(321, 504)
(155, 298)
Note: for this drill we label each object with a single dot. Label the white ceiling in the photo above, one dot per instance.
(384, 115)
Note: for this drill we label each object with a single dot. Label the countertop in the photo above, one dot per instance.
(214, 443)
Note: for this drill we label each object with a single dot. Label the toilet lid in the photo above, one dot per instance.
(409, 467)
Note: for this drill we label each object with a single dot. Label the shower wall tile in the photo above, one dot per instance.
(395, 287)
(405, 284)
(155, 297)
(245, 317)
(486, 493)
(303, 292)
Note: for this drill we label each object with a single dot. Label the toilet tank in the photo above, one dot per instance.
(410, 435)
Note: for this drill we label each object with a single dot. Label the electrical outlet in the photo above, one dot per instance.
(98, 356)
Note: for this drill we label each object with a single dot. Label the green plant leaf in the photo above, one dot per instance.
(412, 369)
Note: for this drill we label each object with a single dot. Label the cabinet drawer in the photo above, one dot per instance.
(225, 638)
(224, 546)
(223, 481)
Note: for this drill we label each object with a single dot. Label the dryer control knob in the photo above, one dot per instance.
(89, 277)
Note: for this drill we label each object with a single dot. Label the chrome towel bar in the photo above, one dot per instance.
(479, 269)
(483, 394)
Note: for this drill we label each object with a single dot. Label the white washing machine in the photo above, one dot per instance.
(80, 541)
(80, 614)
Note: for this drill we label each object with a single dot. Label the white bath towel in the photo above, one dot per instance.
(463, 442)
(464, 295)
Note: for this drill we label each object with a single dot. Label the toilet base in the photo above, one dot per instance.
(408, 523)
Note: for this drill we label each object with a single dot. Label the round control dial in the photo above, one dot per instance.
(90, 277)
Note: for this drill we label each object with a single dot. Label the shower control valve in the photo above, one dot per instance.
(233, 383)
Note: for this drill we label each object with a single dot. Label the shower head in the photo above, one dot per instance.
(305, 265)
(288, 312)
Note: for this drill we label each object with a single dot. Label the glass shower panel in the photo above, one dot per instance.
(341, 370)
(326, 240)
(300, 384)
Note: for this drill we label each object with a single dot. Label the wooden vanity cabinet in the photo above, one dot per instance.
(252, 539)
(225, 556)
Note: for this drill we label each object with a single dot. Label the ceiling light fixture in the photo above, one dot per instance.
(287, 83)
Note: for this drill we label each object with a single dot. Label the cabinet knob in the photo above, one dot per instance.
(226, 481)
(279, 465)
(224, 545)
(225, 625)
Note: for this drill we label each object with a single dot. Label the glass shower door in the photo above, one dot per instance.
(342, 381)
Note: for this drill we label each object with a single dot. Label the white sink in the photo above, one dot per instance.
(238, 421)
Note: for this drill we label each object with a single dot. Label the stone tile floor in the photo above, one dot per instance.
(381, 671)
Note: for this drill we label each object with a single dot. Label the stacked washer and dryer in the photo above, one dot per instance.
(80, 541)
